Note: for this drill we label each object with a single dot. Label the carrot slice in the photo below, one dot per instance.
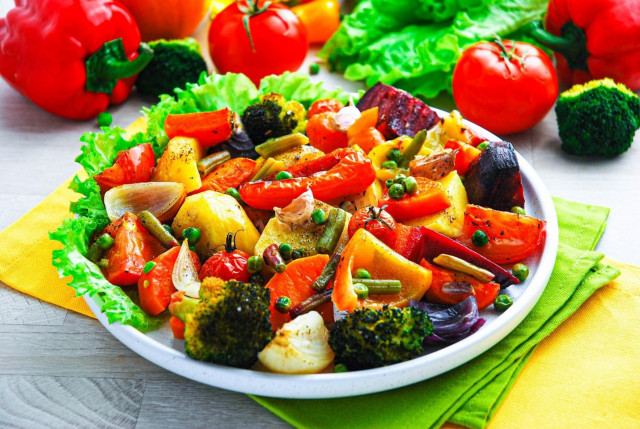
(231, 174)
(209, 128)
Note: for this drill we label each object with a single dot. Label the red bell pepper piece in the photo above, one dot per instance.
(231, 174)
(465, 156)
(133, 247)
(134, 165)
(409, 241)
(435, 244)
(156, 286)
(177, 328)
(71, 58)
(594, 40)
(484, 293)
(429, 198)
(348, 172)
(209, 128)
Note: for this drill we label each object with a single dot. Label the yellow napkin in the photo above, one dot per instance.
(585, 374)
(25, 260)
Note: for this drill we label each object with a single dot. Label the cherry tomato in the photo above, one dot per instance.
(512, 237)
(156, 285)
(503, 87)
(227, 264)
(131, 166)
(133, 247)
(325, 105)
(274, 42)
(323, 133)
(377, 221)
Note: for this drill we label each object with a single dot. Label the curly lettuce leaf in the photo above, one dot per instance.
(373, 45)
(100, 150)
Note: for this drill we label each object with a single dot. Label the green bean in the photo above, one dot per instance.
(210, 162)
(327, 274)
(155, 228)
(311, 303)
(413, 149)
(281, 144)
(98, 249)
(380, 286)
(332, 231)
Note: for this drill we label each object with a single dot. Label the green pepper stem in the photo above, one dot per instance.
(572, 44)
(113, 68)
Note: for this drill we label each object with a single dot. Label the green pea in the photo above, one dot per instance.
(518, 210)
(389, 165)
(361, 290)
(105, 119)
(314, 69)
(520, 271)
(149, 266)
(394, 155)
(283, 304)
(193, 248)
(254, 264)
(479, 238)
(396, 191)
(234, 193)
(319, 217)
(502, 302)
(192, 234)
(283, 175)
(297, 254)
(410, 185)
(388, 183)
(257, 278)
(340, 367)
(103, 263)
(168, 228)
(361, 273)
(399, 178)
(286, 251)
(483, 145)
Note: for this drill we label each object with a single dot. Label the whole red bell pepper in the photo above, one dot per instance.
(595, 39)
(340, 173)
(71, 57)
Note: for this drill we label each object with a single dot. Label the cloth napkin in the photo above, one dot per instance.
(468, 395)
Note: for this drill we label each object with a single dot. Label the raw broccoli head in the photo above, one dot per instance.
(369, 338)
(273, 116)
(175, 63)
(597, 118)
(231, 324)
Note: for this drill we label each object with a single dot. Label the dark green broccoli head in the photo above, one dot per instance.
(175, 63)
(370, 338)
(273, 116)
(597, 118)
(231, 324)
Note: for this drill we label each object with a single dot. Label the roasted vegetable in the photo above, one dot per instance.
(209, 128)
(598, 118)
(370, 338)
(399, 113)
(179, 163)
(174, 64)
(272, 117)
(493, 179)
(231, 324)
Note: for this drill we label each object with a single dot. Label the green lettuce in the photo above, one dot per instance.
(419, 53)
(99, 151)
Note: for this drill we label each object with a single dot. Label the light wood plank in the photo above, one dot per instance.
(20, 309)
(60, 402)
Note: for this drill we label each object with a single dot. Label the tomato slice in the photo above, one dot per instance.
(133, 165)
(484, 293)
(156, 286)
(323, 134)
(231, 174)
(133, 247)
(512, 237)
(428, 199)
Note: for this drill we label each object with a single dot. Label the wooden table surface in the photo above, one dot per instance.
(61, 369)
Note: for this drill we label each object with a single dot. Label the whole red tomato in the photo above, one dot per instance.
(375, 220)
(274, 40)
(227, 264)
(503, 87)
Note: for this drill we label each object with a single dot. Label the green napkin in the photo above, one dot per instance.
(470, 394)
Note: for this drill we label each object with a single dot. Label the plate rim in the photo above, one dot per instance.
(335, 385)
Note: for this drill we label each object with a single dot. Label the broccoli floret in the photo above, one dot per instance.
(369, 338)
(273, 116)
(598, 118)
(231, 324)
(174, 64)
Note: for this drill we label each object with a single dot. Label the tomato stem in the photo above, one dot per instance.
(250, 10)
(509, 55)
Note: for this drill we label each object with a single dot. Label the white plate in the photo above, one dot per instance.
(160, 348)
